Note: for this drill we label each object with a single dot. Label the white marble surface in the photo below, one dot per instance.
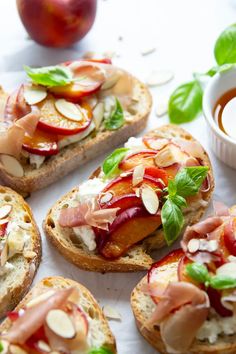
(184, 33)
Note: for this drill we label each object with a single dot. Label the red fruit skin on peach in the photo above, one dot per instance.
(57, 23)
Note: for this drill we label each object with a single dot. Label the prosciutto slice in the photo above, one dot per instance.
(200, 229)
(11, 139)
(34, 317)
(87, 214)
(179, 305)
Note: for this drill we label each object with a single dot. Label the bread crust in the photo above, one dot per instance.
(224, 345)
(128, 263)
(11, 297)
(60, 282)
(75, 155)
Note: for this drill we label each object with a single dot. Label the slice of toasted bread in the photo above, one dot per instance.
(74, 155)
(16, 282)
(143, 306)
(137, 257)
(102, 335)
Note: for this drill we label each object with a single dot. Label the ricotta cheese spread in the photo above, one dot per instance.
(87, 235)
(89, 189)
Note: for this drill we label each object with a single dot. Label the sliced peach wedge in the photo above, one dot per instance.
(146, 158)
(131, 226)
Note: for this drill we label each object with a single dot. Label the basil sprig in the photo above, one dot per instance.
(111, 163)
(186, 183)
(200, 274)
(185, 103)
(1, 347)
(50, 75)
(116, 119)
(101, 350)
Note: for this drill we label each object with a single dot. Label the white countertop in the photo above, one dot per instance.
(184, 33)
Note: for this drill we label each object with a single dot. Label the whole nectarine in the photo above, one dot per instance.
(57, 23)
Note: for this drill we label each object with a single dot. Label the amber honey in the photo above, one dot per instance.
(225, 113)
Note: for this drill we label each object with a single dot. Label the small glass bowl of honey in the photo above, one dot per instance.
(219, 108)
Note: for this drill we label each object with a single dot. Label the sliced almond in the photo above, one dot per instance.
(60, 323)
(34, 94)
(98, 114)
(69, 110)
(44, 346)
(159, 77)
(161, 108)
(89, 55)
(40, 298)
(111, 313)
(227, 269)
(166, 157)
(106, 197)
(12, 166)
(5, 210)
(138, 174)
(111, 81)
(158, 144)
(148, 50)
(193, 245)
(150, 200)
(15, 349)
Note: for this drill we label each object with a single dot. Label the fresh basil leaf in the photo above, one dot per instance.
(190, 179)
(101, 350)
(222, 282)
(172, 189)
(49, 75)
(110, 165)
(1, 347)
(197, 272)
(116, 120)
(185, 103)
(180, 201)
(225, 46)
(172, 221)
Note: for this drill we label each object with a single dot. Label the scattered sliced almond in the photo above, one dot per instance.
(138, 174)
(34, 94)
(159, 77)
(69, 110)
(12, 166)
(148, 50)
(5, 210)
(15, 349)
(44, 346)
(193, 245)
(111, 313)
(40, 298)
(158, 144)
(125, 174)
(150, 199)
(106, 197)
(161, 108)
(165, 157)
(227, 269)
(111, 80)
(98, 114)
(60, 323)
